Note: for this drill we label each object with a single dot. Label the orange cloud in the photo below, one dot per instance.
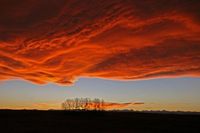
(51, 41)
(109, 105)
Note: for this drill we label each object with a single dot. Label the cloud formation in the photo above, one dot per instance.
(50, 41)
(111, 106)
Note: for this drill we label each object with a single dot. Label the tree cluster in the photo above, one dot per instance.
(83, 104)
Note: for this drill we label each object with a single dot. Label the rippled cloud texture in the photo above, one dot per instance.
(59, 41)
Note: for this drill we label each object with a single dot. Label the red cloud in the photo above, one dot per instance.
(109, 105)
(51, 41)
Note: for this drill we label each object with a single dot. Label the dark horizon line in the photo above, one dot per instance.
(115, 110)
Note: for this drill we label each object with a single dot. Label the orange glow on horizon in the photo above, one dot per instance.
(113, 106)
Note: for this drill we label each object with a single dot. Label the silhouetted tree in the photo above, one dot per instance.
(83, 104)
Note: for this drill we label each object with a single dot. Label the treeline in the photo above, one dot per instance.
(83, 104)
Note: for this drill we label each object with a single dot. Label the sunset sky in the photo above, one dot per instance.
(158, 94)
(138, 51)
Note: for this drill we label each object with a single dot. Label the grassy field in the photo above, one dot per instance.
(27, 121)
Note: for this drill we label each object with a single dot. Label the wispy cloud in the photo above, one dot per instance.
(110, 105)
(59, 41)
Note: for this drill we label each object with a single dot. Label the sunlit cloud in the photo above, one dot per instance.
(50, 41)
(111, 106)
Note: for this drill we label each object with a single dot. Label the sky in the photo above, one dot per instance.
(51, 46)
(178, 94)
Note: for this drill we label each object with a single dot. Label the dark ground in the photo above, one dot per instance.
(25, 121)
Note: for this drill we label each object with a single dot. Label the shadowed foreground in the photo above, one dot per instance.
(25, 121)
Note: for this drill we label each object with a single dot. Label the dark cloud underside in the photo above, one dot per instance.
(59, 41)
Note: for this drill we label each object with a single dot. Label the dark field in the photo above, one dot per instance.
(106, 122)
